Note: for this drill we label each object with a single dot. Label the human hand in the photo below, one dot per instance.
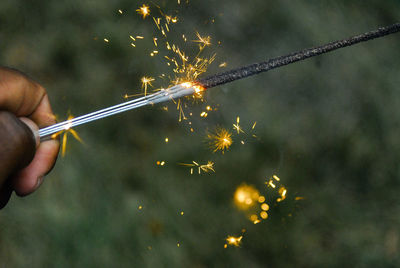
(24, 161)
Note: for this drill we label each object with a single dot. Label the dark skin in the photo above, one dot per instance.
(24, 161)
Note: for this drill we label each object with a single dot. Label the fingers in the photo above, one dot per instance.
(30, 178)
(17, 143)
(17, 149)
(19, 94)
(23, 97)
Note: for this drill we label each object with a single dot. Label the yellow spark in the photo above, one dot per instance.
(166, 140)
(209, 167)
(106, 40)
(155, 41)
(233, 241)
(220, 140)
(254, 125)
(139, 37)
(204, 114)
(297, 198)
(254, 219)
(132, 44)
(157, 22)
(270, 183)
(144, 11)
(140, 207)
(67, 130)
(133, 38)
(245, 196)
(276, 178)
(120, 11)
(237, 126)
(261, 199)
(208, 108)
(203, 41)
(182, 213)
(222, 65)
(282, 192)
(171, 19)
(160, 163)
(178, 245)
(146, 81)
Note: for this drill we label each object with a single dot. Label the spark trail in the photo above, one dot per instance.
(193, 87)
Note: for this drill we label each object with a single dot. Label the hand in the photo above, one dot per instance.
(24, 161)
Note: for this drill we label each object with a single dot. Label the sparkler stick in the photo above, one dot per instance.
(190, 88)
(257, 68)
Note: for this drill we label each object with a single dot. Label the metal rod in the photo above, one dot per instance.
(185, 89)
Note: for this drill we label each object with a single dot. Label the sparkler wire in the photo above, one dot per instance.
(257, 68)
(184, 89)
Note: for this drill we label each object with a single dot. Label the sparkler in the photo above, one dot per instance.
(198, 86)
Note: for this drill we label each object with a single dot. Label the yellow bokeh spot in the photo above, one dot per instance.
(265, 207)
(263, 215)
(246, 196)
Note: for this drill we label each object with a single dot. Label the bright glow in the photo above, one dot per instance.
(245, 196)
(144, 11)
(221, 140)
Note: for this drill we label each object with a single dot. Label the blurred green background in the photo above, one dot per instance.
(328, 126)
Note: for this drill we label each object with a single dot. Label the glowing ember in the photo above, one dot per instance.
(144, 11)
(221, 140)
(233, 241)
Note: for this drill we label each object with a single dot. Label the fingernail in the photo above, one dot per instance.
(39, 181)
(33, 127)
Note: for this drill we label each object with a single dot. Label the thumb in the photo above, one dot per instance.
(17, 144)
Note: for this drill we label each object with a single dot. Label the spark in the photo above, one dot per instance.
(220, 140)
(282, 192)
(166, 140)
(67, 130)
(106, 40)
(140, 207)
(160, 163)
(146, 81)
(144, 11)
(233, 241)
(207, 168)
(245, 196)
(120, 11)
(203, 41)
(261, 199)
(254, 218)
(237, 126)
(222, 65)
(276, 177)
(270, 183)
(297, 198)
